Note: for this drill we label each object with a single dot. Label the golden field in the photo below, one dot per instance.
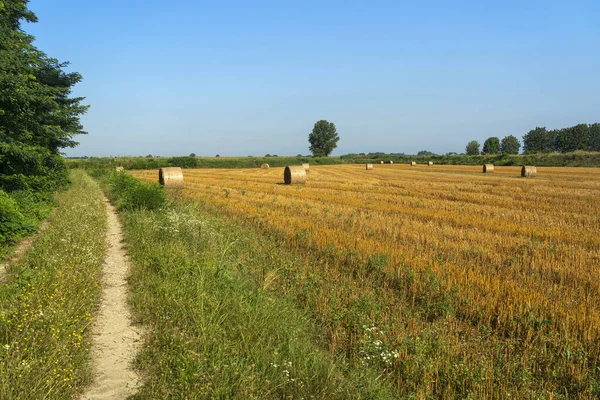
(497, 275)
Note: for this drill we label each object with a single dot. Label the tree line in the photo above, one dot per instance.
(541, 140)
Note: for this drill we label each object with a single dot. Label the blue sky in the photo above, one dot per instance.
(252, 77)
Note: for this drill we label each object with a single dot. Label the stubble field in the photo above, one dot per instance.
(448, 281)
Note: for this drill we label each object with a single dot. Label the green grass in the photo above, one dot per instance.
(202, 286)
(47, 304)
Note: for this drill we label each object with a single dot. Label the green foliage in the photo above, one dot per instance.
(510, 145)
(323, 138)
(537, 141)
(131, 194)
(491, 146)
(38, 117)
(594, 139)
(183, 162)
(12, 222)
(472, 148)
(573, 138)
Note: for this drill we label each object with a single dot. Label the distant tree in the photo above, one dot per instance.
(537, 141)
(510, 145)
(452, 153)
(594, 139)
(275, 155)
(268, 155)
(323, 138)
(217, 156)
(425, 153)
(472, 148)
(149, 156)
(192, 154)
(298, 155)
(491, 146)
(573, 138)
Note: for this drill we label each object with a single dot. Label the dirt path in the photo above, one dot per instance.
(116, 340)
(19, 251)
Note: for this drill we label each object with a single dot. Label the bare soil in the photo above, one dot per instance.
(116, 339)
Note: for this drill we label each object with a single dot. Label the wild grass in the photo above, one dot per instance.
(46, 306)
(215, 332)
(483, 286)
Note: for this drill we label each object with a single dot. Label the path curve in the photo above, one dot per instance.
(115, 339)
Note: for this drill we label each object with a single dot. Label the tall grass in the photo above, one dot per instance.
(47, 305)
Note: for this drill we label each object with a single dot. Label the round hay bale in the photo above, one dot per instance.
(119, 169)
(488, 168)
(528, 171)
(430, 163)
(265, 166)
(391, 162)
(413, 163)
(369, 167)
(171, 177)
(306, 167)
(294, 175)
(381, 162)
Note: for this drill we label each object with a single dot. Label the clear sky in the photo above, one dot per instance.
(252, 77)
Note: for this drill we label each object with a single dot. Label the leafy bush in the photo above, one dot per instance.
(12, 222)
(183, 162)
(131, 194)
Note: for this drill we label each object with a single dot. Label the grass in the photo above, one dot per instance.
(216, 332)
(47, 305)
(483, 285)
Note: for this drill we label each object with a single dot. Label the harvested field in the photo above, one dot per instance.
(498, 275)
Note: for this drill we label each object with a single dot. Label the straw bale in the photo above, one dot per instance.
(528, 171)
(488, 168)
(265, 166)
(294, 175)
(369, 167)
(171, 177)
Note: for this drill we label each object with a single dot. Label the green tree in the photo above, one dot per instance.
(491, 146)
(536, 141)
(573, 138)
(472, 148)
(323, 138)
(38, 117)
(594, 139)
(510, 145)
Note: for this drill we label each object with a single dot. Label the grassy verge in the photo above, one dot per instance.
(217, 330)
(46, 307)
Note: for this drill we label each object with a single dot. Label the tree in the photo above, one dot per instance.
(323, 138)
(510, 145)
(38, 117)
(192, 154)
(472, 148)
(491, 146)
(536, 141)
(573, 138)
(594, 140)
(425, 153)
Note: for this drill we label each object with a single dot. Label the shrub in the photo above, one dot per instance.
(12, 222)
(183, 162)
(131, 194)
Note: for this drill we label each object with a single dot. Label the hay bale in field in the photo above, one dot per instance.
(171, 177)
(391, 162)
(369, 167)
(430, 163)
(294, 175)
(528, 171)
(413, 163)
(381, 162)
(488, 168)
(306, 167)
(265, 166)
(119, 169)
